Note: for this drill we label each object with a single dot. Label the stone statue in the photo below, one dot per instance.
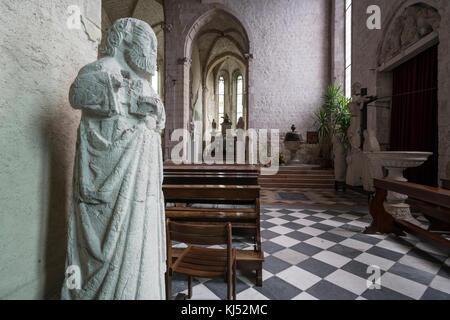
(371, 143)
(354, 156)
(240, 124)
(410, 33)
(226, 124)
(371, 169)
(116, 230)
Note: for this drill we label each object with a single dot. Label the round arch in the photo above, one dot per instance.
(393, 16)
(220, 59)
(387, 60)
(196, 30)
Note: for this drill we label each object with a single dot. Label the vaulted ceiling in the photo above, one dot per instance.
(116, 9)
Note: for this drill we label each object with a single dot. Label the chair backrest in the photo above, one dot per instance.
(199, 234)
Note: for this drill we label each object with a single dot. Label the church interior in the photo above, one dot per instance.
(350, 98)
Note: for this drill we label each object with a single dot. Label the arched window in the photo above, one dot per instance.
(348, 48)
(239, 97)
(221, 99)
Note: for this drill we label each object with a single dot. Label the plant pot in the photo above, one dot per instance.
(340, 164)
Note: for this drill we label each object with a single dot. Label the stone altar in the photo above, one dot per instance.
(116, 236)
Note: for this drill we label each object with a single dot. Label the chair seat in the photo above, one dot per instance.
(203, 262)
(199, 261)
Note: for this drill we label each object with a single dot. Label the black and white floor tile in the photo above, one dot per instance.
(321, 254)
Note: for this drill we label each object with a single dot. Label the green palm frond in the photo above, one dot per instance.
(333, 118)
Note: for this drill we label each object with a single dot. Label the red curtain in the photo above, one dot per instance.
(414, 116)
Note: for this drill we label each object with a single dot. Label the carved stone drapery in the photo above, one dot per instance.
(116, 231)
(416, 22)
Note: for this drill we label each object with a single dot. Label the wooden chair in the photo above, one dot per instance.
(243, 213)
(198, 261)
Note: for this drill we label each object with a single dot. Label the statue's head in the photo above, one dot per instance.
(356, 89)
(137, 41)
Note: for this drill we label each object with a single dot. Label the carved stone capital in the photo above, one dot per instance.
(185, 61)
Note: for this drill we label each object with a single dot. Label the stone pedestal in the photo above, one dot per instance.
(395, 202)
(293, 147)
(396, 162)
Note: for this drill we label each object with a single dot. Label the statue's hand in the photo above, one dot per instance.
(150, 106)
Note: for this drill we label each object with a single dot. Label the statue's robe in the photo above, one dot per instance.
(116, 233)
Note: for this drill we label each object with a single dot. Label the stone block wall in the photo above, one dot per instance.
(39, 57)
(290, 69)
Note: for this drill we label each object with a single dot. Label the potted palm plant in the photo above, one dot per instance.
(332, 121)
(323, 129)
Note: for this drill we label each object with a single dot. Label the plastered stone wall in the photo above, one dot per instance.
(365, 45)
(338, 42)
(290, 69)
(39, 58)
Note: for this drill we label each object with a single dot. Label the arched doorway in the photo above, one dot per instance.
(216, 80)
(408, 76)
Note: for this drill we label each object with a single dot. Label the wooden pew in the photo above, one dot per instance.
(434, 203)
(209, 175)
(228, 194)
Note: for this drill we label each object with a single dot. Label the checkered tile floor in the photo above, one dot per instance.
(320, 253)
(312, 197)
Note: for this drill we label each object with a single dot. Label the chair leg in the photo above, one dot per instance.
(190, 287)
(229, 282)
(259, 279)
(168, 286)
(234, 280)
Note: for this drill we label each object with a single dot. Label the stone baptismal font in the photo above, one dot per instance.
(116, 244)
(292, 143)
(396, 162)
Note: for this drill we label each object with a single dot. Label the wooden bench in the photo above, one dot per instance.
(218, 195)
(434, 203)
(210, 175)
